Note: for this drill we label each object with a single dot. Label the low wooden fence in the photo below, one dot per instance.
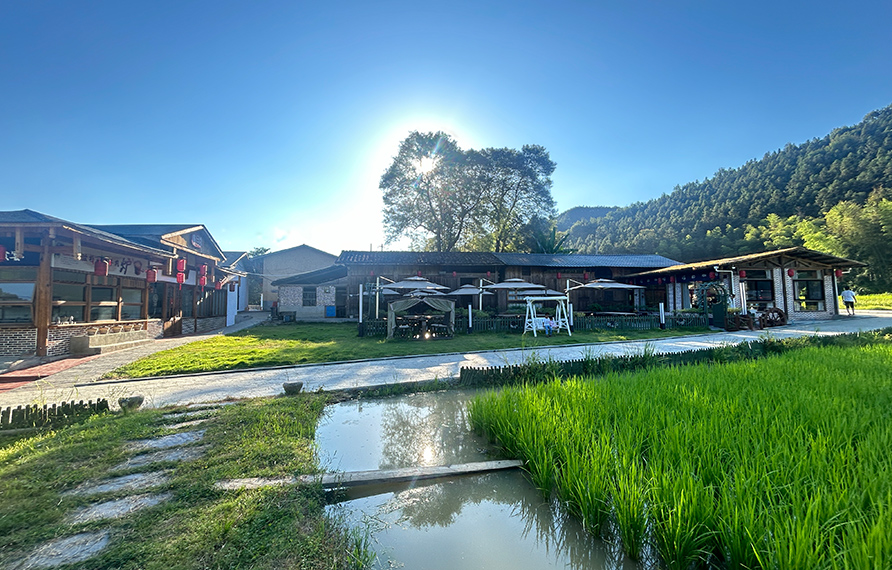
(378, 327)
(50, 416)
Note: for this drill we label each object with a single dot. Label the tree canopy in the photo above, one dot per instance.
(445, 198)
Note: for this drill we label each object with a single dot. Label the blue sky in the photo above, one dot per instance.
(272, 122)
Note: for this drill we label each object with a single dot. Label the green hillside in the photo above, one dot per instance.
(831, 194)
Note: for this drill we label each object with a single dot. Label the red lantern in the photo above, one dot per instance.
(672, 279)
(151, 275)
(181, 278)
(742, 274)
(838, 271)
(791, 272)
(100, 267)
(559, 275)
(659, 280)
(202, 281)
(585, 276)
(218, 285)
(712, 275)
(419, 274)
(454, 273)
(371, 273)
(232, 286)
(2, 254)
(181, 266)
(203, 269)
(488, 274)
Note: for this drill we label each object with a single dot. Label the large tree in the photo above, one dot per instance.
(447, 199)
(426, 193)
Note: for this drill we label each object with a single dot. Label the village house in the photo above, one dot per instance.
(278, 265)
(71, 288)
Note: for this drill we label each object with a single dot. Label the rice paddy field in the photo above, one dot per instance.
(782, 462)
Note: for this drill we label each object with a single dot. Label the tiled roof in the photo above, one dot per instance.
(583, 261)
(27, 217)
(317, 277)
(148, 230)
(792, 252)
(418, 258)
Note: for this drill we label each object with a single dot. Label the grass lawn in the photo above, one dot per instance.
(882, 301)
(269, 345)
(199, 527)
(781, 462)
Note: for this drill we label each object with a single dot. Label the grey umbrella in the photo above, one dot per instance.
(415, 283)
(606, 284)
(514, 283)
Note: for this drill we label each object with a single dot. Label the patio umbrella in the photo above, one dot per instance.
(384, 291)
(515, 284)
(425, 293)
(606, 284)
(470, 290)
(415, 283)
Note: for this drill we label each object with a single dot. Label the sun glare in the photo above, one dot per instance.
(426, 164)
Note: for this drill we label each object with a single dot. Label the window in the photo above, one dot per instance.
(17, 294)
(309, 296)
(131, 304)
(759, 290)
(808, 287)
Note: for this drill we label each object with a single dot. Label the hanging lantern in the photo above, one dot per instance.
(559, 275)
(488, 274)
(742, 274)
(151, 275)
(203, 269)
(791, 272)
(419, 274)
(100, 267)
(2, 254)
(232, 286)
(181, 266)
(838, 272)
(371, 273)
(659, 280)
(672, 279)
(585, 276)
(202, 281)
(712, 275)
(454, 273)
(181, 278)
(218, 285)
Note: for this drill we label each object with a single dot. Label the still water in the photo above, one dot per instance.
(495, 520)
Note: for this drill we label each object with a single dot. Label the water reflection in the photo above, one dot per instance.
(494, 520)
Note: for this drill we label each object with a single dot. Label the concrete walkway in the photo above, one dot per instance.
(268, 382)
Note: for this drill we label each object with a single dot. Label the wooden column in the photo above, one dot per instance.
(43, 299)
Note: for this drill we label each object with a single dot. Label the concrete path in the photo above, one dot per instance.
(268, 382)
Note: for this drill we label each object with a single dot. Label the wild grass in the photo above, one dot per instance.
(307, 343)
(200, 526)
(781, 462)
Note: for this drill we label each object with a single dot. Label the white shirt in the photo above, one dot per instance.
(848, 296)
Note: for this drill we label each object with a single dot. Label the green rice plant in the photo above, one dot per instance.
(629, 499)
(682, 513)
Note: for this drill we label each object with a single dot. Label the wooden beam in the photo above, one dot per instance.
(43, 298)
(357, 478)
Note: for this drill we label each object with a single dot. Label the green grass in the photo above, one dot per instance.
(781, 462)
(305, 343)
(200, 527)
(878, 301)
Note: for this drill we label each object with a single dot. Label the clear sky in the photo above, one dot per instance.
(272, 122)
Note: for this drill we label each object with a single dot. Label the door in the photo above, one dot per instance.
(173, 314)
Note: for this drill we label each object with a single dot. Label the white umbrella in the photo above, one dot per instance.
(606, 284)
(515, 283)
(425, 293)
(415, 283)
(468, 290)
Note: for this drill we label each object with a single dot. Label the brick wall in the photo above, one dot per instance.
(188, 326)
(18, 341)
(208, 324)
(156, 329)
(58, 340)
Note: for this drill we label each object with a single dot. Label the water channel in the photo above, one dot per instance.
(493, 521)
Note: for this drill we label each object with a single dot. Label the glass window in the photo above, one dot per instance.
(131, 312)
(103, 313)
(309, 297)
(757, 274)
(156, 301)
(64, 292)
(69, 276)
(187, 301)
(16, 291)
(132, 295)
(800, 274)
(15, 313)
(759, 290)
(100, 294)
(18, 274)
(810, 294)
(68, 314)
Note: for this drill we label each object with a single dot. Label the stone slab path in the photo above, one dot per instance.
(136, 489)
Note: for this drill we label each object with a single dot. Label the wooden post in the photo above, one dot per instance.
(43, 299)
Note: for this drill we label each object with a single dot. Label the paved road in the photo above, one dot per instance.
(254, 383)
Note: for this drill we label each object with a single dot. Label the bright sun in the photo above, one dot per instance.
(426, 164)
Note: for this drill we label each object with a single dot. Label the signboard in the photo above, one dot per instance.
(118, 266)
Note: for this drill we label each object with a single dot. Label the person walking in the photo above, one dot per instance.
(848, 297)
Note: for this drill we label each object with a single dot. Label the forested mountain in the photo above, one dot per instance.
(831, 194)
(565, 220)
